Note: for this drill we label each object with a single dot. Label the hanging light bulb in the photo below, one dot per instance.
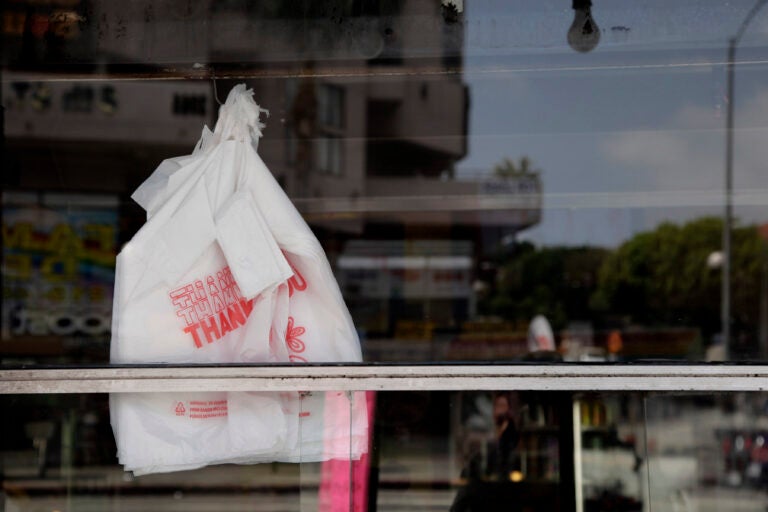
(584, 33)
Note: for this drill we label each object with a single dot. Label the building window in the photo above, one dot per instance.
(330, 129)
(328, 155)
(330, 106)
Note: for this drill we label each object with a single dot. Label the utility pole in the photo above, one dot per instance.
(725, 298)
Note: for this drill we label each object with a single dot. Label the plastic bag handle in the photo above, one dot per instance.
(239, 117)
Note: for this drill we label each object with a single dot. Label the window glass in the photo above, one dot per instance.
(59, 453)
(331, 105)
(429, 450)
(329, 155)
(544, 181)
(565, 181)
(706, 451)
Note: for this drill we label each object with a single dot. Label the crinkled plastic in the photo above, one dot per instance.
(225, 270)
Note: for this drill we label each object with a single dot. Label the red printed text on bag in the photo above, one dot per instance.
(211, 307)
(203, 409)
(295, 345)
(296, 282)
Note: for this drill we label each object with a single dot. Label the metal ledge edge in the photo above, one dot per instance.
(577, 377)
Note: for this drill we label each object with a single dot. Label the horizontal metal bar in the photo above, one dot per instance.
(578, 377)
(527, 201)
(188, 72)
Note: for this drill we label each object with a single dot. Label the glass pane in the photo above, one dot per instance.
(416, 450)
(514, 449)
(181, 451)
(707, 452)
(611, 454)
(467, 166)
(457, 451)
(671, 451)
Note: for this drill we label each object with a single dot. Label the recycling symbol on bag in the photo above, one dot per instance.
(180, 410)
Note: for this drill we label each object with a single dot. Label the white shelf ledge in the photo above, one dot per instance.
(577, 377)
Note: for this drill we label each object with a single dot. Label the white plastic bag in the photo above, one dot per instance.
(226, 271)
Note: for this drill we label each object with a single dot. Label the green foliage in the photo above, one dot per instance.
(661, 277)
(657, 278)
(555, 282)
(508, 168)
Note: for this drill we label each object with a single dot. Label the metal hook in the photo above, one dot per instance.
(199, 65)
(215, 91)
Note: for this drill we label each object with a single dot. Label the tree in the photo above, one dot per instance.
(658, 278)
(556, 282)
(507, 168)
(661, 277)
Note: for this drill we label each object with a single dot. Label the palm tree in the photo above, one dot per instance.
(507, 168)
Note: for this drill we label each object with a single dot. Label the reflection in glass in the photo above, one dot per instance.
(671, 452)
(167, 432)
(611, 451)
(423, 450)
(707, 452)
(514, 451)
(427, 450)
(59, 452)
(464, 168)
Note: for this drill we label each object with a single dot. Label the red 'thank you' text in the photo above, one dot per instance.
(211, 307)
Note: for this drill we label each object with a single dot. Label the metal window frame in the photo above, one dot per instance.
(539, 377)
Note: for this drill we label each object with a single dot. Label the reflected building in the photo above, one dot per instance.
(369, 153)
(368, 118)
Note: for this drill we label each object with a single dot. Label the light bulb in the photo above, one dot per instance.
(584, 33)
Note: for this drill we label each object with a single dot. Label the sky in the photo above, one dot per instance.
(630, 134)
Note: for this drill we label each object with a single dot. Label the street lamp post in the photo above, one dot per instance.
(725, 297)
(725, 302)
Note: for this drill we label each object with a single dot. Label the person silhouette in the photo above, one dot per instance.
(488, 486)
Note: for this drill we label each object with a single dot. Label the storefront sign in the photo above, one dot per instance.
(58, 264)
